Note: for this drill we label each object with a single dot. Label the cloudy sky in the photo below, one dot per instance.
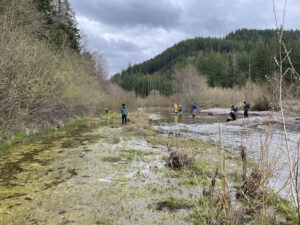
(131, 31)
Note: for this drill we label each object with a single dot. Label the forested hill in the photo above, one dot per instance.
(226, 62)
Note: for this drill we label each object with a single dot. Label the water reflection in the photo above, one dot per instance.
(175, 119)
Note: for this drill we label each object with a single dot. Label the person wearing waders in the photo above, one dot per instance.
(246, 108)
(194, 109)
(124, 113)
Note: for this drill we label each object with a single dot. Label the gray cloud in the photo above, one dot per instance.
(131, 31)
(122, 13)
(117, 52)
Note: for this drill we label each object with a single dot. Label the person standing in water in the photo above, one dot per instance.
(194, 109)
(124, 113)
(175, 108)
(180, 111)
(246, 108)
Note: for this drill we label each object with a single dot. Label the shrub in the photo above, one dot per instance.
(262, 104)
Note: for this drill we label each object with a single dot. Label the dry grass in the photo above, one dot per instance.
(190, 87)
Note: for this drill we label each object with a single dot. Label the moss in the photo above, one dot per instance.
(187, 183)
(76, 123)
(103, 221)
(111, 159)
(204, 167)
(21, 137)
(173, 204)
(111, 115)
(128, 158)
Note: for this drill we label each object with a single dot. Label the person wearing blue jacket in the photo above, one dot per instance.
(124, 113)
(194, 109)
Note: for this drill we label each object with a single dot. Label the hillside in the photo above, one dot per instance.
(226, 62)
(46, 79)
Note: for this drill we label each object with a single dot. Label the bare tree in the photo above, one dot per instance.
(284, 58)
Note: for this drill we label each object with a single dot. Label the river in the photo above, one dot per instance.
(261, 131)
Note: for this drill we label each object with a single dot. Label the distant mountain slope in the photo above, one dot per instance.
(226, 61)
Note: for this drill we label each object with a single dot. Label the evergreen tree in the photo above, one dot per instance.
(226, 62)
(61, 27)
(261, 61)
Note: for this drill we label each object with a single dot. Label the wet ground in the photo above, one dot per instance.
(105, 173)
(100, 173)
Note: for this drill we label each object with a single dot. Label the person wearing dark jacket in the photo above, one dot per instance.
(235, 110)
(124, 113)
(180, 111)
(232, 116)
(246, 108)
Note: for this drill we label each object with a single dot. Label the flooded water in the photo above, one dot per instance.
(259, 131)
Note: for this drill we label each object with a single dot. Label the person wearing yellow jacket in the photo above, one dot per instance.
(175, 108)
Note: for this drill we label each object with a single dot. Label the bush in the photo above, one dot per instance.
(40, 85)
(262, 104)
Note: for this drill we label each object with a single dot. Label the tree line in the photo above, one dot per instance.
(225, 62)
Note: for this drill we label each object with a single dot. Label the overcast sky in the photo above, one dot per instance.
(131, 31)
